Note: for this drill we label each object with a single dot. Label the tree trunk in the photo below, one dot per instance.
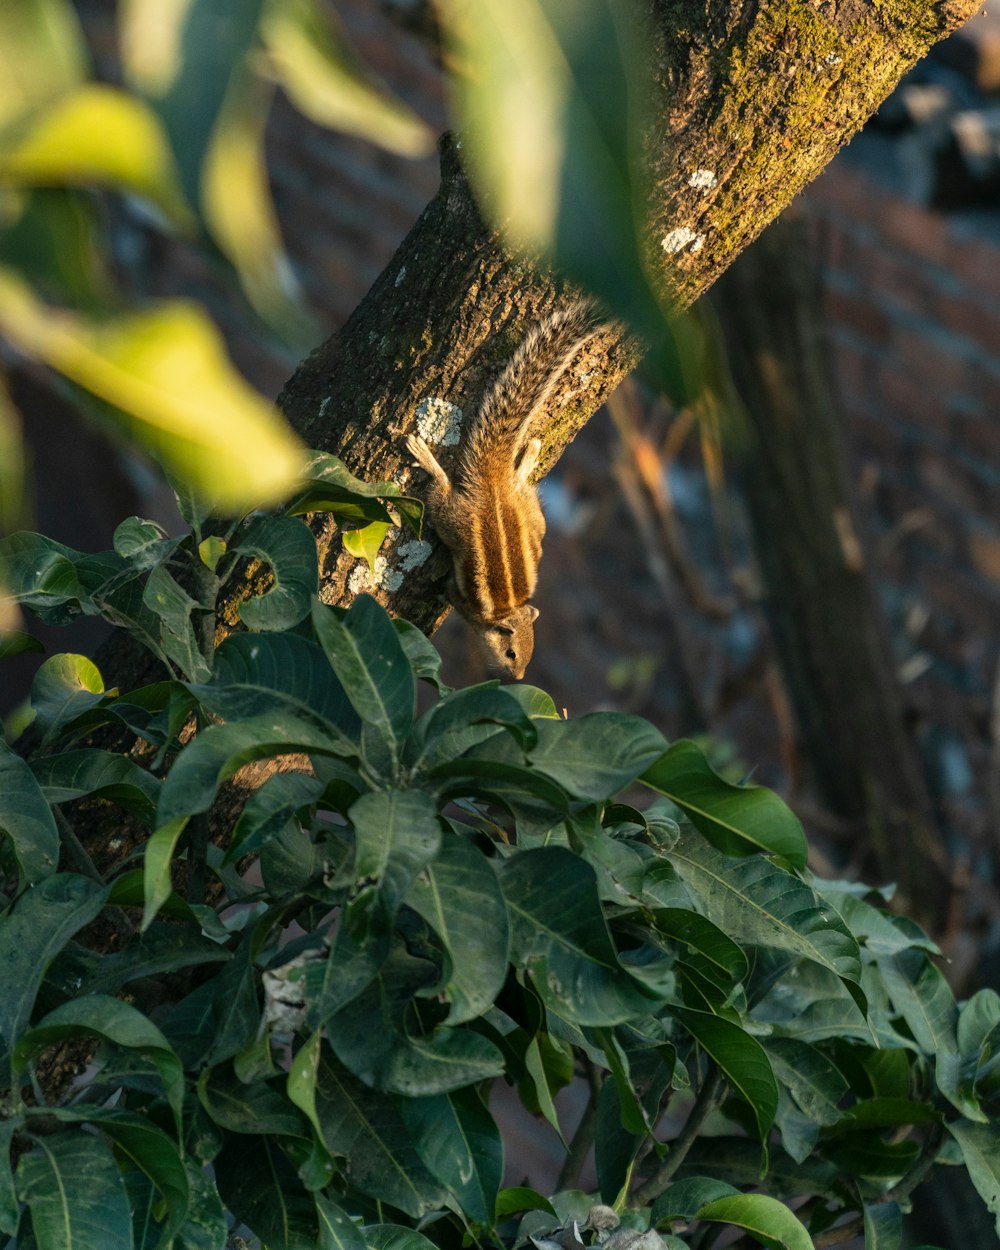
(829, 632)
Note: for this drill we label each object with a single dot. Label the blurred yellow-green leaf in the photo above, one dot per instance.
(42, 54)
(176, 392)
(237, 207)
(326, 80)
(11, 466)
(181, 55)
(96, 134)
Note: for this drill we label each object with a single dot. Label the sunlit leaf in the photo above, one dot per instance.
(364, 543)
(42, 54)
(236, 202)
(96, 134)
(326, 81)
(739, 820)
(766, 1219)
(167, 373)
(64, 686)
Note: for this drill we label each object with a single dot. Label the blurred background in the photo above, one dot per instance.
(689, 574)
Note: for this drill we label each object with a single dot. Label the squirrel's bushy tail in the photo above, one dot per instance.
(511, 406)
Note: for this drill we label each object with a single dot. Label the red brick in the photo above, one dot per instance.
(977, 261)
(917, 230)
(928, 359)
(859, 311)
(977, 320)
(984, 548)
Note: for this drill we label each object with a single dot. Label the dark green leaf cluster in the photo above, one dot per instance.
(444, 892)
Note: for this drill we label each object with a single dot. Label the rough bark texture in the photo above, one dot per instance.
(818, 595)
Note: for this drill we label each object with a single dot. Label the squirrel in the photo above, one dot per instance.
(487, 512)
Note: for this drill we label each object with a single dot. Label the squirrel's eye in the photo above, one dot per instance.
(511, 654)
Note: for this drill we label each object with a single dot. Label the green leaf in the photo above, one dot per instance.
(288, 546)
(366, 542)
(88, 770)
(221, 750)
(420, 652)
(10, 1212)
(259, 1185)
(337, 1231)
(724, 959)
(74, 1191)
(166, 373)
(95, 134)
(977, 1019)
(397, 834)
(331, 487)
(237, 205)
(739, 820)
(560, 936)
(173, 608)
(17, 642)
(116, 1022)
(32, 932)
(922, 996)
(63, 687)
(366, 654)
(549, 101)
(367, 1128)
(372, 1039)
(143, 543)
(257, 675)
(269, 808)
(883, 1226)
(205, 1227)
(211, 550)
(520, 1198)
(462, 720)
(327, 82)
(685, 1198)
(741, 1058)
(815, 1083)
(765, 906)
(257, 1107)
(395, 1237)
(42, 55)
(877, 1113)
(159, 857)
(591, 756)
(980, 1144)
(41, 574)
(459, 896)
(460, 1145)
(25, 817)
(764, 1218)
(149, 1148)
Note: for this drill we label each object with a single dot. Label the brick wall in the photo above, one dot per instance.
(913, 300)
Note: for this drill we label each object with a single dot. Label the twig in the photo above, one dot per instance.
(703, 1104)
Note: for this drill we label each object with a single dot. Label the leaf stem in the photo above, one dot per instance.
(705, 1102)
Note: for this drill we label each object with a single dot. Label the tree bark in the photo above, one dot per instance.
(829, 633)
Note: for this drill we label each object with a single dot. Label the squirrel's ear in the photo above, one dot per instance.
(532, 613)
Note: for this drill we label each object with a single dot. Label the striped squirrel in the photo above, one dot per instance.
(487, 512)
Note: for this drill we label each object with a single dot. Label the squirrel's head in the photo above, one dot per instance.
(510, 642)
